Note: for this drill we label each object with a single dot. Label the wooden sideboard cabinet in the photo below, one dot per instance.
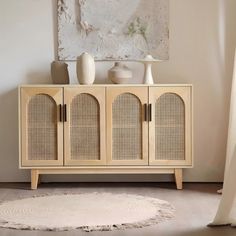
(105, 129)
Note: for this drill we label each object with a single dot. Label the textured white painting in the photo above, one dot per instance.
(113, 29)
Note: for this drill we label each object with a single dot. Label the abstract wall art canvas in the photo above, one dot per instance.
(113, 29)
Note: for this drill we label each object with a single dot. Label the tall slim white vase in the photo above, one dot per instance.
(85, 68)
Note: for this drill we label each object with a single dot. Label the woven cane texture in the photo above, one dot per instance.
(42, 128)
(127, 128)
(85, 128)
(169, 128)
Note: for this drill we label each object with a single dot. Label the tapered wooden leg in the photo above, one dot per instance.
(34, 179)
(179, 178)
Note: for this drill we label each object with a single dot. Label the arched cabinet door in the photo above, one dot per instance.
(127, 129)
(84, 128)
(41, 129)
(170, 128)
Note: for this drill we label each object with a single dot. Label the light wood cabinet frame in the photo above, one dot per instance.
(142, 94)
(105, 95)
(25, 95)
(99, 95)
(185, 94)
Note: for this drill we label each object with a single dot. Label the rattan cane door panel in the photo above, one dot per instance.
(84, 130)
(126, 130)
(42, 137)
(170, 128)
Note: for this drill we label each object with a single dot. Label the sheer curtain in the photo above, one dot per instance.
(226, 213)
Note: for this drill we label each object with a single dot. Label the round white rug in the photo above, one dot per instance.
(90, 211)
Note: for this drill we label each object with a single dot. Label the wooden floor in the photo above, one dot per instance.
(195, 207)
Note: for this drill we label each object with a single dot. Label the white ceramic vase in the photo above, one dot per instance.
(119, 73)
(85, 68)
(148, 61)
(148, 79)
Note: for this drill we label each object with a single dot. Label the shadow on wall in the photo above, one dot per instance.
(103, 178)
(9, 137)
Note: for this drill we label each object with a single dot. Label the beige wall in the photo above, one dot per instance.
(202, 42)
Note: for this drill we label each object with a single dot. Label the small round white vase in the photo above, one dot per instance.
(85, 68)
(119, 73)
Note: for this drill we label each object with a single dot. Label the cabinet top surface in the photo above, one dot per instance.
(105, 85)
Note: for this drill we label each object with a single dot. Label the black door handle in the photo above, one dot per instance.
(60, 113)
(150, 112)
(65, 113)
